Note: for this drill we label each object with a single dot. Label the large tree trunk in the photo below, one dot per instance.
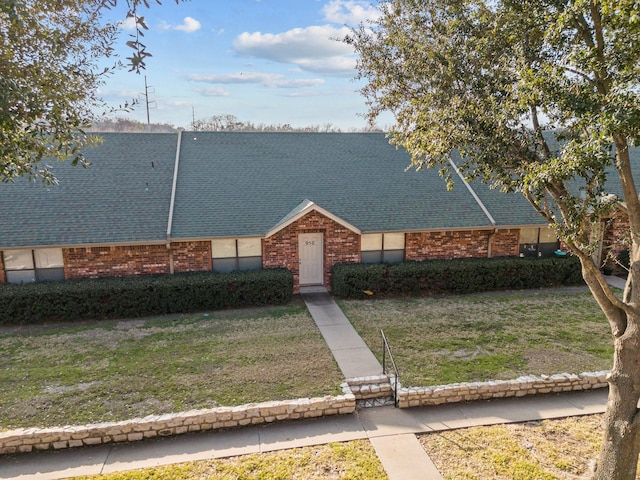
(618, 458)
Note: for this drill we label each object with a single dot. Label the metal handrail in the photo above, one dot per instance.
(386, 350)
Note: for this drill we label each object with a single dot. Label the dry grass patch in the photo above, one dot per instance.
(441, 340)
(354, 460)
(115, 370)
(548, 449)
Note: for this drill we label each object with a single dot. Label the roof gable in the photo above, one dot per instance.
(302, 209)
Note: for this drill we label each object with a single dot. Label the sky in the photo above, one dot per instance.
(263, 61)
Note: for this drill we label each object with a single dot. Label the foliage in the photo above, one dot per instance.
(49, 79)
(140, 296)
(231, 123)
(431, 277)
(120, 124)
(541, 98)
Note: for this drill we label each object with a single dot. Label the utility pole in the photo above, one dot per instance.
(146, 98)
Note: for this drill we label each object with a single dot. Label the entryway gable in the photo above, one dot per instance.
(302, 209)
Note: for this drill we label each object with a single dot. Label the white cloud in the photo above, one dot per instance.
(315, 48)
(213, 92)
(128, 24)
(349, 12)
(188, 25)
(274, 80)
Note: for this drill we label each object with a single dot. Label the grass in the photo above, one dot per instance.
(116, 370)
(441, 340)
(354, 460)
(545, 450)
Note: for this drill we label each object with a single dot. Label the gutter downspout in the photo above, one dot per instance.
(173, 201)
(482, 206)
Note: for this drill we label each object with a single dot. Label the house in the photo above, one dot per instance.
(223, 201)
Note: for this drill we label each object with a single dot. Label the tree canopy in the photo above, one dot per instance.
(539, 97)
(49, 78)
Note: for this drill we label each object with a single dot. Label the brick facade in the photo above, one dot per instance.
(192, 256)
(615, 241)
(115, 261)
(461, 244)
(341, 245)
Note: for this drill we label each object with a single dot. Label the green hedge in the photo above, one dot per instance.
(453, 276)
(141, 296)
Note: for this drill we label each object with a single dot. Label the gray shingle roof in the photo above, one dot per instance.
(240, 184)
(119, 198)
(243, 183)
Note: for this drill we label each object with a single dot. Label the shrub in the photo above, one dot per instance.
(453, 276)
(127, 297)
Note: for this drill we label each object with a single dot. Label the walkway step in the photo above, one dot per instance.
(403, 457)
(353, 356)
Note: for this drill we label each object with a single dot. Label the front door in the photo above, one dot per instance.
(311, 264)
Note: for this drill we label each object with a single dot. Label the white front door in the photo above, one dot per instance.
(311, 264)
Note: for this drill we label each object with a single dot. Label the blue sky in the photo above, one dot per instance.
(264, 61)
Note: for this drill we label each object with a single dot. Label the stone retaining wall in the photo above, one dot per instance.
(529, 385)
(364, 388)
(360, 388)
(29, 439)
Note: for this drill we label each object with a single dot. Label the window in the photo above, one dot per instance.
(42, 264)
(382, 247)
(231, 254)
(538, 242)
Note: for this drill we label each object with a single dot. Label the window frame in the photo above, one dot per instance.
(34, 270)
(238, 261)
(383, 254)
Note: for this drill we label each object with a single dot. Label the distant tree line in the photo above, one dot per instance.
(231, 123)
(217, 123)
(130, 126)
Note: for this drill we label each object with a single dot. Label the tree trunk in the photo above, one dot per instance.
(618, 458)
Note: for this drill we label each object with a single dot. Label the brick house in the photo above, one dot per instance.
(222, 201)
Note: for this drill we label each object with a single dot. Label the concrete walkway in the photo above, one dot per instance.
(351, 353)
(392, 431)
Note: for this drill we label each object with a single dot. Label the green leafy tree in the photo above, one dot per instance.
(49, 78)
(540, 97)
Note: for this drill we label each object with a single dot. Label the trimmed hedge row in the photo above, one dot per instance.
(127, 297)
(453, 276)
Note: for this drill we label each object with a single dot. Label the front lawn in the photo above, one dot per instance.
(441, 340)
(354, 460)
(116, 370)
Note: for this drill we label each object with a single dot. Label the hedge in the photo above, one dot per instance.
(128, 297)
(453, 276)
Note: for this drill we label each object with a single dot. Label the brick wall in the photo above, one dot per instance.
(460, 244)
(615, 240)
(192, 256)
(505, 243)
(341, 245)
(115, 261)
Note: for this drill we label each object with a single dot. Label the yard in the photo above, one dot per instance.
(114, 370)
(490, 336)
